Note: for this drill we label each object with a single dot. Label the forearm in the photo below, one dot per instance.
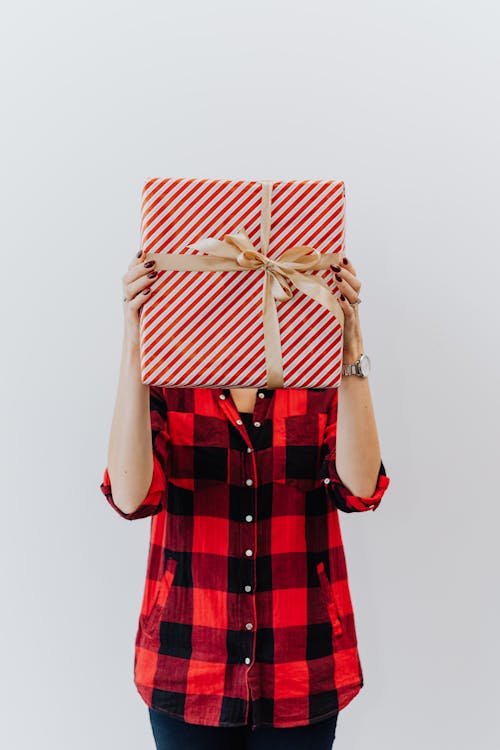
(130, 452)
(358, 453)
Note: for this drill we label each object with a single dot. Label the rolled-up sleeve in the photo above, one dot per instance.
(339, 493)
(155, 498)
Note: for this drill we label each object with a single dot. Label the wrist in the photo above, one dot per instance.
(352, 353)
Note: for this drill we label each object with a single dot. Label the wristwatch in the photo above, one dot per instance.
(361, 367)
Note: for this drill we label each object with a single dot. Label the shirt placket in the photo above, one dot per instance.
(248, 519)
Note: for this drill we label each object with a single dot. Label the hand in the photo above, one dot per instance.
(349, 286)
(136, 286)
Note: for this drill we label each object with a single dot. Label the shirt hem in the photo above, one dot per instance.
(353, 692)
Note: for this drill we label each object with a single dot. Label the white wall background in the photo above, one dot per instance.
(401, 101)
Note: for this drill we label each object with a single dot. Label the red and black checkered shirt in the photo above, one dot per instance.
(246, 601)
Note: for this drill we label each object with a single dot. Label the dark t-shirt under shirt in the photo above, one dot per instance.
(253, 433)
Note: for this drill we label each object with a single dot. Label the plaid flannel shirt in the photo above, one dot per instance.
(246, 600)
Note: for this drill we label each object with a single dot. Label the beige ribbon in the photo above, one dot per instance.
(236, 252)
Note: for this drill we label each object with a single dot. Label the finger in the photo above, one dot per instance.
(137, 259)
(135, 293)
(346, 272)
(348, 283)
(137, 270)
(346, 263)
(348, 309)
(137, 279)
(137, 301)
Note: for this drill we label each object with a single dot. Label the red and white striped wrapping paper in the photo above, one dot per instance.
(204, 329)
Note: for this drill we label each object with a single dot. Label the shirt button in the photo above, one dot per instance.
(248, 552)
(249, 481)
(247, 660)
(249, 518)
(221, 395)
(249, 450)
(262, 395)
(249, 626)
(239, 421)
(326, 480)
(248, 588)
(256, 424)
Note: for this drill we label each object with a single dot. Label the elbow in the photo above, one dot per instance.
(128, 496)
(344, 496)
(361, 485)
(365, 488)
(127, 505)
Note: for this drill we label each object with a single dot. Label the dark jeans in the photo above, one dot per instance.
(171, 733)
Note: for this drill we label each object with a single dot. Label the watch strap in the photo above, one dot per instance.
(351, 368)
(356, 368)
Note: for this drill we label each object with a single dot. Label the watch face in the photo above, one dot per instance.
(364, 364)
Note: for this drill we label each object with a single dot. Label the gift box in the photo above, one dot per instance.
(245, 296)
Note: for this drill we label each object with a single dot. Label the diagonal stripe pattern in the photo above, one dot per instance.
(204, 329)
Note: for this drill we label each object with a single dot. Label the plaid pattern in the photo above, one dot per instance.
(246, 595)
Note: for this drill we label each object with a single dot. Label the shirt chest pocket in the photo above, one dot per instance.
(198, 449)
(297, 441)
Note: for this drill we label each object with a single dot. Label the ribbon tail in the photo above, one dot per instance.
(194, 262)
(213, 246)
(240, 240)
(280, 286)
(317, 288)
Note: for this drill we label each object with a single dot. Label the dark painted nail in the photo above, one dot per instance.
(345, 261)
(152, 274)
(339, 278)
(146, 291)
(149, 263)
(139, 253)
(342, 298)
(336, 268)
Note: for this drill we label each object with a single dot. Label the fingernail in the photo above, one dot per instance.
(146, 291)
(139, 254)
(342, 298)
(339, 278)
(336, 268)
(345, 261)
(149, 263)
(152, 274)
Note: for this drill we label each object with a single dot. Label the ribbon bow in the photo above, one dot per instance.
(283, 270)
(236, 252)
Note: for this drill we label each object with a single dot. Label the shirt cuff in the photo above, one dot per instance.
(342, 496)
(152, 503)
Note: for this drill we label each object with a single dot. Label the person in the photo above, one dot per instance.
(246, 635)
